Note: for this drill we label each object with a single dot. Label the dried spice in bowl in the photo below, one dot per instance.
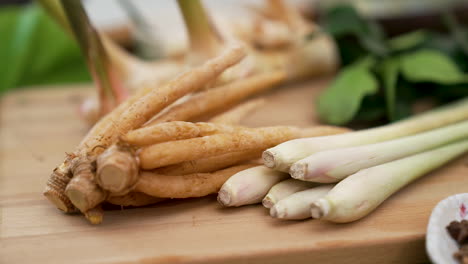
(458, 230)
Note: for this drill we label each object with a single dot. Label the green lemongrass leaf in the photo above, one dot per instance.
(389, 73)
(430, 66)
(341, 101)
(20, 48)
(408, 41)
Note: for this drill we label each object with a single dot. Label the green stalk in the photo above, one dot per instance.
(360, 193)
(204, 40)
(335, 165)
(149, 45)
(284, 155)
(110, 88)
(55, 9)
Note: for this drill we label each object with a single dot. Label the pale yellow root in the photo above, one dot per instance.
(218, 99)
(135, 111)
(83, 191)
(117, 170)
(118, 122)
(93, 143)
(236, 114)
(155, 101)
(185, 186)
(175, 130)
(100, 136)
(134, 199)
(168, 153)
(210, 164)
(95, 215)
(102, 133)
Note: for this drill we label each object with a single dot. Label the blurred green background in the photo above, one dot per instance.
(34, 50)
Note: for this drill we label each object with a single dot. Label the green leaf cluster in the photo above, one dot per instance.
(34, 50)
(383, 77)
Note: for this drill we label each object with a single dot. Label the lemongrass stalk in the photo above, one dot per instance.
(284, 155)
(284, 189)
(115, 72)
(204, 40)
(297, 205)
(149, 44)
(110, 89)
(249, 186)
(335, 165)
(72, 17)
(360, 193)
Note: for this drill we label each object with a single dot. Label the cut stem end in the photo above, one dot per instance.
(298, 171)
(269, 159)
(60, 201)
(268, 201)
(320, 209)
(224, 197)
(278, 212)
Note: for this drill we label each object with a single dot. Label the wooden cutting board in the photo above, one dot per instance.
(39, 126)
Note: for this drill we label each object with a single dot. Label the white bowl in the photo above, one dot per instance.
(440, 246)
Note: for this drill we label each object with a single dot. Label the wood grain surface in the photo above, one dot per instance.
(39, 126)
